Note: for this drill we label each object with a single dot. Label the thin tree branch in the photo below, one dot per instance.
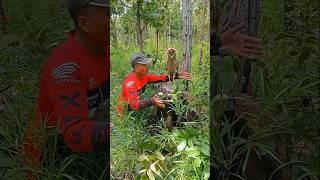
(6, 88)
(124, 4)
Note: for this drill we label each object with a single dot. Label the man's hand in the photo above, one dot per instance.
(239, 44)
(185, 75)
(157, 102)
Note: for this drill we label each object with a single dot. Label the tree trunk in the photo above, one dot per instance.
(236, 11)
(214, 26)
(114, 32)
(253, 22)
(289, 27)
(164, 41)
(157, 37)
(202, 33)
(138, 26)
(187, 36)
(169, 33)
(3, 18)
(144, 30)
(248, 12)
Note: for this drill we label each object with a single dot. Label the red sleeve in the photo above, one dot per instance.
(132, 95)
(69, 101)
(153, 78)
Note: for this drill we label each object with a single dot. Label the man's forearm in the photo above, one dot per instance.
(137, 104)
(145, 103)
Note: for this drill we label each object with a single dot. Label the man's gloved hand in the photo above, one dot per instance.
(185, 75)
(239, 44)
(157, 102)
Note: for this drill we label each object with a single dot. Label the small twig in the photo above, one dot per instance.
(124, 4)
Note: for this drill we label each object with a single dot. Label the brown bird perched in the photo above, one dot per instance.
(171, 63)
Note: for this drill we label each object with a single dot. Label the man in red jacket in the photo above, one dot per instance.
(74, 86)
(135, 84)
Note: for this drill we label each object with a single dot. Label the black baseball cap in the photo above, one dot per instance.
(139, 58)
(75, 5)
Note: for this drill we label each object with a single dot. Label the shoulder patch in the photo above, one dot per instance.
(64, 70)
(130, 83)
(64, 73)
